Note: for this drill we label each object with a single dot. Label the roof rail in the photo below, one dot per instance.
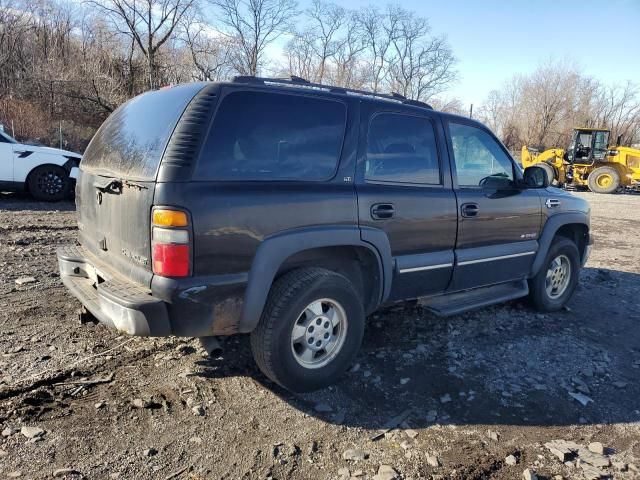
(294, 81)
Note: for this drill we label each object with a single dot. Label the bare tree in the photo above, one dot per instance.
(378, 44)
(618, 108)
(301, 57)
(329, 49)
(403, 56)
(419, 65)
(327, 20)
(450, 105)
(15, 24)
(211, 53)
(255, 24)
(349, 67)
(542, 109)
(150, 23)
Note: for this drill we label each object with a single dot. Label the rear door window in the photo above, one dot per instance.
(130, 143)
(273, 136)
(402, 149)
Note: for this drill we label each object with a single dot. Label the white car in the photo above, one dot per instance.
(42, 171)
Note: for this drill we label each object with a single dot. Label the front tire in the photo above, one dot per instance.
(604, 180)
(557, 279)
(310, 331)
(50, 183)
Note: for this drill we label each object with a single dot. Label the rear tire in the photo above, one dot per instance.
(604, 180)
(557, 279)
(49, 183)
(310, 330)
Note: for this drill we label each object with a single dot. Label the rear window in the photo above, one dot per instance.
(130, 143)
(271, 136)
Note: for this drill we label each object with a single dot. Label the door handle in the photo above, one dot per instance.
(381, 211)
(469, 209)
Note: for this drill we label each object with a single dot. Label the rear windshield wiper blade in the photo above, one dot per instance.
(115, 186)
(111, 186)
(139, 186)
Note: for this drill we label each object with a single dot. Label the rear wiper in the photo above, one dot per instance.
(139, 186)
(112, 186)
(115, 186)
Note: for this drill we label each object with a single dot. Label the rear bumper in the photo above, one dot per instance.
(114, 301)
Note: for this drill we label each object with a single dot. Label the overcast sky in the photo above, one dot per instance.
(494, 40)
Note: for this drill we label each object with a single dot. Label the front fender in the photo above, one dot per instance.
(24, 165)
(551, 227)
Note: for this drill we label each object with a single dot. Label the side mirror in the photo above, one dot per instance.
(536, 177)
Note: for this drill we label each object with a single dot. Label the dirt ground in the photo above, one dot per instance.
(460, 394)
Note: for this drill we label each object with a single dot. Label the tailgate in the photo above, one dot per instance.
(116, 183)
(114, 223)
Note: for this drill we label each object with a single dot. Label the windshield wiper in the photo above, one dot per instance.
(139, 186)
(112, 186)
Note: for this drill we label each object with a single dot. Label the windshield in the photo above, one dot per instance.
(6, 138)
(131, 142)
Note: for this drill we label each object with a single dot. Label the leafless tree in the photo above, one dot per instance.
(618, 108)
(255, 24)
(378, 44)
(349, 68)
(150, 23)
(327, 20)
(450, 105)
(329, 49)
(542, 109)
(15, 23)
(211, 52)
(420, 65)
(301, 58)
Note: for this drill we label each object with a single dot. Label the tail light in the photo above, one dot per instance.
(170, 243)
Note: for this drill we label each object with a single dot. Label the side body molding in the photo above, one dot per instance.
(274, 250)
(551, 226)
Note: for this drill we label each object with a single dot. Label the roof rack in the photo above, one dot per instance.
(299, 82)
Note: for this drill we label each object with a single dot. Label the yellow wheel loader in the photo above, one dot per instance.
(588, 162)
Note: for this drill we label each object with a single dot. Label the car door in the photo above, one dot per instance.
(404, 189)
(499, 221)
(6, 159)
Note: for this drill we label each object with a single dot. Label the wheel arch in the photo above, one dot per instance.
(67, 166)
(571, 225)
(337, 248)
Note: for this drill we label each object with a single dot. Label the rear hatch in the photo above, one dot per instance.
(116, 183)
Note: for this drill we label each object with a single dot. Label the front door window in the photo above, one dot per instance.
(479, 159)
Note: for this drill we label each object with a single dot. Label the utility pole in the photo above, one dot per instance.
(61, 135)
(471, 111)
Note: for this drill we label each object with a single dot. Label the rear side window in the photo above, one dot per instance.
(402, 149)
(130, 143)
(271, 136)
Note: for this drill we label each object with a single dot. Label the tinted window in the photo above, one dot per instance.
(402, 148)
(5, 138)
(131, 141)
(479, 158)
(271, 136)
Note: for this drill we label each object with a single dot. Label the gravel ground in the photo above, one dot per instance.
(428, 397)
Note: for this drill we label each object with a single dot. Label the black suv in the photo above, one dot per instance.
(291, 210)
